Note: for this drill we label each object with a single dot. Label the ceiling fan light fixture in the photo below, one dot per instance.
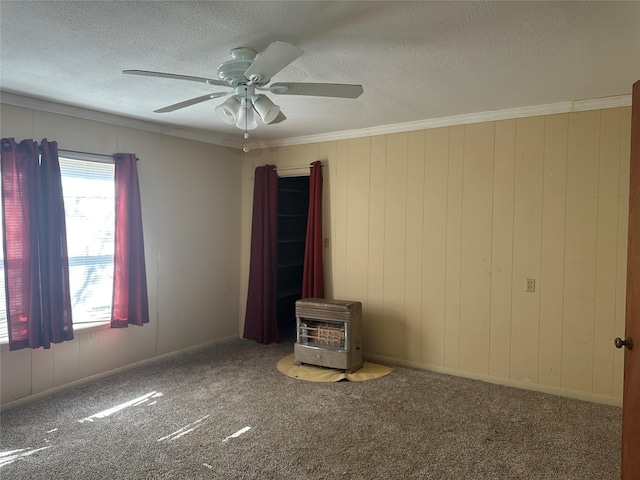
(267, 110)
(228, 111)
(246, 118)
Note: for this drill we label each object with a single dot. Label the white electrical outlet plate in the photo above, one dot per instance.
(531, 285)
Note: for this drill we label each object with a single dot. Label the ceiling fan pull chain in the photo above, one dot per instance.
(245, 148)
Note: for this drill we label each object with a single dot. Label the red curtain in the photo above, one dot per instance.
(313, 273)
(130, 301)
(35, 246)
(261, 322)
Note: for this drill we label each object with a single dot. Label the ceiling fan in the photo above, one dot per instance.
(246, 75)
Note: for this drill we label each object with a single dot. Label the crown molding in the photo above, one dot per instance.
(209, 137)
(491, 116)
(112, 119)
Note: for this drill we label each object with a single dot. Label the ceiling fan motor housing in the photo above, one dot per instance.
(232, 71)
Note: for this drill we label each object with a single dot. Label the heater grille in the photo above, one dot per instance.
(322, 333)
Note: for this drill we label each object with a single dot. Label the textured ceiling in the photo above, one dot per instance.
(415, 60)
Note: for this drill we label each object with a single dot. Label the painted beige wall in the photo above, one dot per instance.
(436, 232)
(190, 205)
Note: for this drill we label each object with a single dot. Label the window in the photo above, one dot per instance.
(4, 334)
(89, 201)
(89, 204)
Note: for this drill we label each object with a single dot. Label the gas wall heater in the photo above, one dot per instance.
(328, 333)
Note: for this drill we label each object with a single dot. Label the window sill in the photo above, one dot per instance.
(80, 328)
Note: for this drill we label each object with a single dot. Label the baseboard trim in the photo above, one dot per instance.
(508, 382)
(99, 376)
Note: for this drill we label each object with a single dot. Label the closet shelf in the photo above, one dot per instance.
(290, 264)
(291, 240)
(289, 291)
(294, 190)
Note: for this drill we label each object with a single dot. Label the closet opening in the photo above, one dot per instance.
(293, 208)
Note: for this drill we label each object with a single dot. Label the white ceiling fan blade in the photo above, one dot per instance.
(280, 118)
(271, 60)
(193, 101)
(147, 73)
(317, 89)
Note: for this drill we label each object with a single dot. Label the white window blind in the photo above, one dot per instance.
(89, 203)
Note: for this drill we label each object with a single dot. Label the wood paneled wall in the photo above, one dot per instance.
(190, 213)
(436, 232)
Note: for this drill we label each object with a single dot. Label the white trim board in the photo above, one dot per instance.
(112, 119)
(99, 376)
(520, 112)
(212, 138)
(507, 382)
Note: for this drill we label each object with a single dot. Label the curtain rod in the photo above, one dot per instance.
(88, 153)
(81, 152)
(295, 168)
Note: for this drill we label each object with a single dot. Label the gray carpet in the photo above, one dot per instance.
(409, 424)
